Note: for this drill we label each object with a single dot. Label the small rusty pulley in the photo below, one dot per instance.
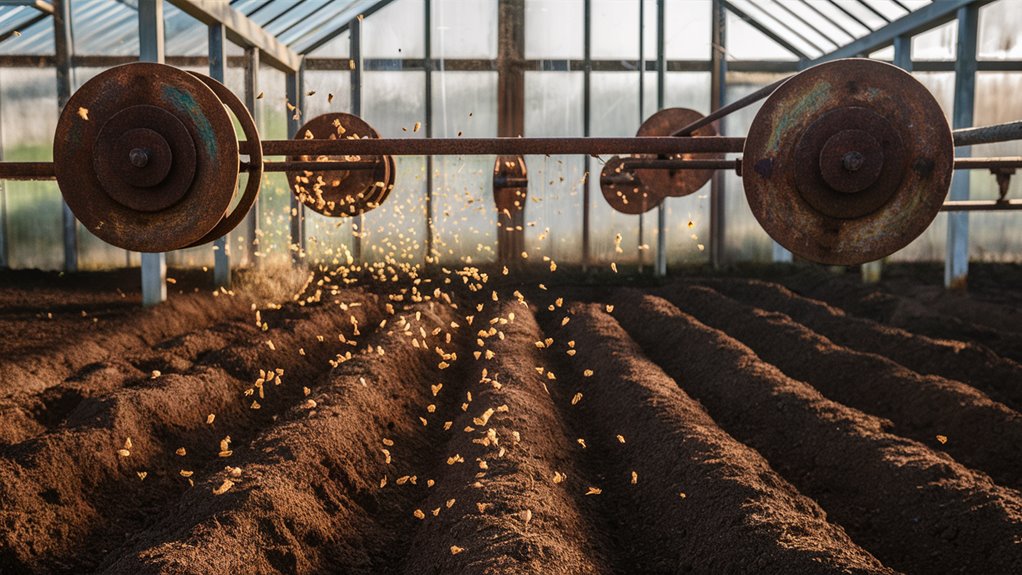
(848, 162)
(673, 182)
(340, 193)
(147, 157)
(624, 191)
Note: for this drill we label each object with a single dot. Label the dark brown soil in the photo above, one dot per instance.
(455, 430)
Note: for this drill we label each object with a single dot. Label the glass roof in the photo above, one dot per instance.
(807, 28)
(111, 28)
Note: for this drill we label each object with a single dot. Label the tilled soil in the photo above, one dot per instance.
(718, 425)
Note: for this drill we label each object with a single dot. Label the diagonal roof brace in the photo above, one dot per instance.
(923, 19)
(242, 31)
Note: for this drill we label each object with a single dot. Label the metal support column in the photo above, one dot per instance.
(251, 95)
(661, 76)
(510, 115)
(956, 262)
(355, 36)
(63, 50)
(296, 98)
(642, 111)
(150, 40)
(5, 261)
(427, 35)
(718, 89)
(217, 64)
(587, 68)
(872, 272)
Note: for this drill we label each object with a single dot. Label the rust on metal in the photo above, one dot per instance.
(27, 171)
(806, 189)
(339, 192)
(676, 182)
(663, 145)
(624, 191)
(510, 191)
(230, 220)
(99, 200)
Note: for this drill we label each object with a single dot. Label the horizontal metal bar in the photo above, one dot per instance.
(988, 134)
(501, 146)
(987, 163)
(311, 166)
(655, 164)
(981, 206)
(27, 171)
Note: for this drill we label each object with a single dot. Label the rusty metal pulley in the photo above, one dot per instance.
(146, 156)
(848, 162)
(624, 191)
(333, 192)
(671, 182)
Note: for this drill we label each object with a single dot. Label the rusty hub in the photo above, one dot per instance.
(676, 183)
(341, 192)
(624, 191)
(141, 151)
(848, 162)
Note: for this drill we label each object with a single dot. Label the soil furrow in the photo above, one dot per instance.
(945, 414)
(915, 509)
(310, 496)
(498, 508)
(38, 369)
(61, 521)
(34, 414)
(869, 302)
(966, 362)
(696, 490)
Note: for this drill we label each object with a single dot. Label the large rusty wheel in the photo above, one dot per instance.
(146, 157)
(341, 192)
(848, 162)
(675, 183)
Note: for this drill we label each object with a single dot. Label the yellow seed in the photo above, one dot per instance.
(620, 438)
(142, 475)
(635, 478)
(127, 443)
(419, 514)
(224, 487)
(610, 308)
(682, 495)
(156, 373)
(83, 113)
(577, 398)
(450, 503)
(582, 442)
(185, 473)
(210, 418)
(226, 453)
(123, 452)
(594, 491)
(181, 451)
(942, 439)
(455, 549)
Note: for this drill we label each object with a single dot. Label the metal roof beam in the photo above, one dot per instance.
(923, 19)
(40, 5)
(358, 8)
(242, 31)
(766, 31)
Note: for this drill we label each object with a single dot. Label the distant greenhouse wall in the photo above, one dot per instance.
(465, 104)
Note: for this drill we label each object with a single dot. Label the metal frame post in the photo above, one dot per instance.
(587, 68)
(956, 262)
(718, 89)
(661, 77)
(427, 35)
(355, 37)
(296, 97)
(63, 49)
(150, 40)
(510, 114)
(5, 261)
(642, 114)
(217, 64)
(251, 93)
(872, 272)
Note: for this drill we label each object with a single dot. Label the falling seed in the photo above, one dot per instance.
(123, 453)
(127, 443)
(942, 439)
(582, 442)
(620, 438)
(436, 388)
(419, 514)
(587, 373)
(450, 503)
(682, 495)
(577, 398)
(260, 96)
(210, 418)
(185, 473)
(417, 126)
(142, 475)
(224, 487)
(594, 491)
(181, 451)
(613, 266)
(83, 113)
(455, 549)
(610, 308)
